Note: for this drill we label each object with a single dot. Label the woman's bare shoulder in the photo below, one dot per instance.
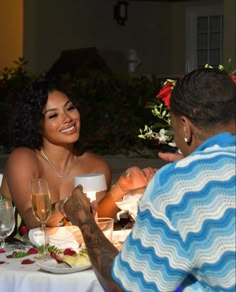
(89, 156)
(22, 153)
(21, 165)
(22, 157)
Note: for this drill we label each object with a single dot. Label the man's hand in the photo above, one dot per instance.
(168, 156)
(101, 251)
(78, 207)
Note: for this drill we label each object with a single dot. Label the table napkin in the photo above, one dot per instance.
(62, 237)
(129, 205)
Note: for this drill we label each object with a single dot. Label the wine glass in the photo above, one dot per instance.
(7, 220)
(41, 204)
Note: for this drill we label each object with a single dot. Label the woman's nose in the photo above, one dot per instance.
(66, 117)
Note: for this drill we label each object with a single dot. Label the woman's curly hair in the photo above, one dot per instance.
(28, 115)
(206, 96)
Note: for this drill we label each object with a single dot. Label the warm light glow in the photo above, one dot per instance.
(91, 183)
(91, 195)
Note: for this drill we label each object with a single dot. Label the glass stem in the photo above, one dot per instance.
(43, 226)
(2, 242)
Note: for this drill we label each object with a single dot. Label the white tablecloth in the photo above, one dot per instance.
(16, 277)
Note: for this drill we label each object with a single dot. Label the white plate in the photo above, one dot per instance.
(53, 267)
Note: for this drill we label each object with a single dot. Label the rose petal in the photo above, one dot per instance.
(32, 250)
(23, 230)
(69, 251)
(56, 257)
(27, 262)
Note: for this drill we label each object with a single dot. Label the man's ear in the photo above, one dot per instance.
(187, 129)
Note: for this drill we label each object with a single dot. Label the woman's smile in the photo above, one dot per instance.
(70, 130)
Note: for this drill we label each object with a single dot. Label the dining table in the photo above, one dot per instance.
(26, 275)
(29, 273)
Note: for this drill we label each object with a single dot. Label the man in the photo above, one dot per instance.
(185, 227)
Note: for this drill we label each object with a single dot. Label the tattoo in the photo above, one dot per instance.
(101, 253)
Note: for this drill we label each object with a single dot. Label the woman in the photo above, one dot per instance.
(185, 227)
(46, 134)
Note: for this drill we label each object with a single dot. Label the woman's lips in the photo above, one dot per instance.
(68, 130)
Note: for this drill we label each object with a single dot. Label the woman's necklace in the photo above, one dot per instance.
(53, 167)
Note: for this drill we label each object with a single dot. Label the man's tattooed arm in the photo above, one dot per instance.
(101, 251)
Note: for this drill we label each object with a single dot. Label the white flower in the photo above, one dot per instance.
(162, 136)
(149, 134)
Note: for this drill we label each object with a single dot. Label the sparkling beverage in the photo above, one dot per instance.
(41, 206)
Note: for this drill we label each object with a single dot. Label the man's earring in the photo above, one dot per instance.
(186, 140)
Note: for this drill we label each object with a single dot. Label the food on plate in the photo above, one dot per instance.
(77, 260)
(71, 258)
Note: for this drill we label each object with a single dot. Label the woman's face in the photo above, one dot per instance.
(61, 122)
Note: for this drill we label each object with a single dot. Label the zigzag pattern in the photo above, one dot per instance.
(185, 225)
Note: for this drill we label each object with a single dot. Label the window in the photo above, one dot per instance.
(204, 36)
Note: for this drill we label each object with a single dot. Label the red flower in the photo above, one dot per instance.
(165, 92)
(233, 77)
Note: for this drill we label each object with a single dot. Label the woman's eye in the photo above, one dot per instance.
(52, 116)
(71, 107)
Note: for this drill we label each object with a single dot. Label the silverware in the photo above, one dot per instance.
(19, 244)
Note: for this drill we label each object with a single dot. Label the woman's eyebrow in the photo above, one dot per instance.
(54, 109)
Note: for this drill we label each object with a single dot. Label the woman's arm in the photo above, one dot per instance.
(134, 178)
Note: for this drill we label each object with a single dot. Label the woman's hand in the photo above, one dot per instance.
(135, 178)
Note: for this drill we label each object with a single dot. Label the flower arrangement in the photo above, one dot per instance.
(161, 130)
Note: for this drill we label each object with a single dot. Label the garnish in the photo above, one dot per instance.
(17, 254)
(70, 257)
(21, 253)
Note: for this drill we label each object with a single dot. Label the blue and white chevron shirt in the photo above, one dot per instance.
(185, 225)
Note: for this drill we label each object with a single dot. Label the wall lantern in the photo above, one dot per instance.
(121, 12)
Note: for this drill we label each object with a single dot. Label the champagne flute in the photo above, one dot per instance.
(7, 220)
(41, 204)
